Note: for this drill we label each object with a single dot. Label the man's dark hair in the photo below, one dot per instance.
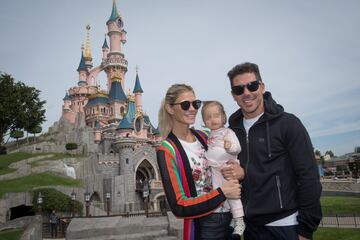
(242, 68)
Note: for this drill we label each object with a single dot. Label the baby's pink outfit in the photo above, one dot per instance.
(218, 156)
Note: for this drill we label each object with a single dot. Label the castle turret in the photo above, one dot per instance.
(67, 102)
(83, 72)
(116, 62)
(105, 50)
(87, 54)
(138, 92)
(117, 99)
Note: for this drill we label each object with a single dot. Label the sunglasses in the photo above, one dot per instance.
(251, 86)
(185, 105)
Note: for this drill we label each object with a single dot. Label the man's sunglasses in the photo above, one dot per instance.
(185, 105)
(251, 86)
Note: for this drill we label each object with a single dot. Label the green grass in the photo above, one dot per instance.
(56, 156)
(337, 234)
(6, 160)
(32, 181)
(13, 234)
(340, 205)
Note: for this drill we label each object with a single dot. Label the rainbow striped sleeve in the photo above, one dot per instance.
(180, 202)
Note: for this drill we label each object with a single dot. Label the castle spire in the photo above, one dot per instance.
(82, 63)
(114, 12)
(87, 54)
(137, 87)
(105, 45)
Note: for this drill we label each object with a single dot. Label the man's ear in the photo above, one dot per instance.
(263, 88)
(233, 95)
(169, 109)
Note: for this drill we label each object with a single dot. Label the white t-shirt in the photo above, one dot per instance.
(286, 221)
(201, 171)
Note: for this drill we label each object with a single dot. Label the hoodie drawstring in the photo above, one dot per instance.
(268, 139)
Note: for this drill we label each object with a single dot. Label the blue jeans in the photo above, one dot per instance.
(253, 232)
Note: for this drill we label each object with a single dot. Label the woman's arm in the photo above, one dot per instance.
(181, 205)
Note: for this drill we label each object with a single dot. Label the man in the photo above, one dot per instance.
(53, 224)
(281, 189)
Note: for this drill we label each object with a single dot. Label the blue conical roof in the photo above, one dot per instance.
(137, 88)
(105, 45)
(114, 13)
(67, 97)
(82, 65)
(116, 92)
(155, 130)
(128, 120)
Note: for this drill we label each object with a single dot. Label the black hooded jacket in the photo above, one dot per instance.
(281, 175)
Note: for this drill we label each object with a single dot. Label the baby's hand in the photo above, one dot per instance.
(227, 144)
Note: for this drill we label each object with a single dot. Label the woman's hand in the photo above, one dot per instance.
(231, 189)
(233, 170)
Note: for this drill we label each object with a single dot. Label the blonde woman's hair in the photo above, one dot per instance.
(206, 104)
(165, 119)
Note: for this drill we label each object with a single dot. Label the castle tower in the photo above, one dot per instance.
(105, 50)
(116, 62)
(67, 102)
(83, 72)
(117, 99)
(138, 93)
(87, 54)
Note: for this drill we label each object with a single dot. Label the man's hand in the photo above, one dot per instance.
(233, 170)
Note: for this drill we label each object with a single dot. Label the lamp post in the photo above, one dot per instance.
(73, 198)
(108, 195)
(146, 193)
(39, 202)
(87, 203)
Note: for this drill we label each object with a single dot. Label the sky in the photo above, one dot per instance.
(308, 53)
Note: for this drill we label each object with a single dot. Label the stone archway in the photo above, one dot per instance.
(144, 174)
(95, 197)
(160, 203)
(145, 171)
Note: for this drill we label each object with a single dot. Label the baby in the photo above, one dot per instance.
(223, 145)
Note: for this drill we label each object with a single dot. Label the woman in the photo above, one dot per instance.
(184, 171)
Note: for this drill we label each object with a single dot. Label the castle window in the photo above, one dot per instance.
(127, 161)
(122, 110)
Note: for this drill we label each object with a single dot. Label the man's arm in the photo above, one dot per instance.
(301, 153)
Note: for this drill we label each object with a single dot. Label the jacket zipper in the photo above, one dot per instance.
(278, 184)
(246, 167)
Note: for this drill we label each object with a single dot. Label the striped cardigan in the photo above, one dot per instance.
(179, 185)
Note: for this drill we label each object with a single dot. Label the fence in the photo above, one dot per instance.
(341, 221)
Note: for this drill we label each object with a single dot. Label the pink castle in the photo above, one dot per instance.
(109, 110)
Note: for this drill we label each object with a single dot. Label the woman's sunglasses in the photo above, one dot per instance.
(251, 86)
(185, 105)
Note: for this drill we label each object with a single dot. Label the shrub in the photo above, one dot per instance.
(71, 146)
(53, 199)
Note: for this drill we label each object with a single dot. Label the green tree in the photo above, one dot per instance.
(53, 199)
(35, 130)
(20, 106)
(17, 134)
(317, 152)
